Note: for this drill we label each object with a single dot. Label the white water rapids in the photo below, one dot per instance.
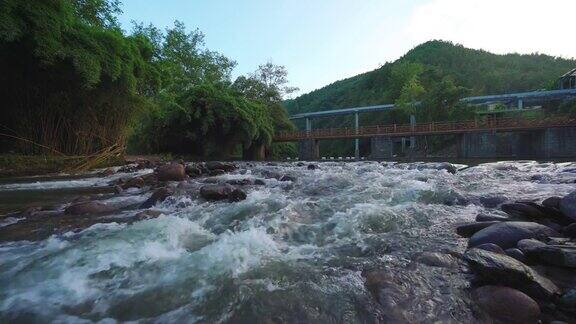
(291, 252)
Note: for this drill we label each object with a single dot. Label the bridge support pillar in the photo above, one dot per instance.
(477, 145)
(560, 142)
(381, 147)
(309, 150)
(356, 141)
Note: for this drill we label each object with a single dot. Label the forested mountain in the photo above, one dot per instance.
(478, 71)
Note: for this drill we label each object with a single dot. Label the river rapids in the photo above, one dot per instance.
(292, 251)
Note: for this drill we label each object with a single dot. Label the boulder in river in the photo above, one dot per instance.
(491, 247)
(522, 210)
(171, 172)
(527, 245)
(216, 165)
(136, 182)
(89, 207)
(568, 205)
(468, 229)
(507, 234)
(516, 254)
(221, 192)
(501, 269)
(506, 304)
(570, 231)
(312, 167)
(158, 196)
(558, 255)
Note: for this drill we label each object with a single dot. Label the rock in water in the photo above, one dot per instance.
(90, 207)
(570, 231)
(436, 259)
(552, 202)
(491, 247)
(158, 196)
(507, 234)
(137, 182)
(568, 205)
(491, 218)
(558, 255)
(468, 229)
(501, 269)
(171, 172)
(522, 210)
(516, 254)
(215, 165)
(507, 304)
(221, 192)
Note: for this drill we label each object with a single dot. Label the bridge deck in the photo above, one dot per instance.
(499, 124)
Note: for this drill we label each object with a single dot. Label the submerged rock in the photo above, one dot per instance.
(507, 304)
(221, 192)
(507, 234)
(90, 207)
(171, 172)
(436, 259)
(501, 269)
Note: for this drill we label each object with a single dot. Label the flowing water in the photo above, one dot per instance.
(293, 251)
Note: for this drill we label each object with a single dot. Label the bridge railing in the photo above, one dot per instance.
(428, 128)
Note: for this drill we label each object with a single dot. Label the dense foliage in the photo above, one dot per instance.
(70, 82)
(74, 83)
(435, 73)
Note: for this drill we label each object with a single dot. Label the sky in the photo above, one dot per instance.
(322, 41)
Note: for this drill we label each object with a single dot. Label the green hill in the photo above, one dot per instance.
(479, 71)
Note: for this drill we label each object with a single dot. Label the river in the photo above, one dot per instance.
(292, 251)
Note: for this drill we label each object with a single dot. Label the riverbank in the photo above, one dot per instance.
(263, 241)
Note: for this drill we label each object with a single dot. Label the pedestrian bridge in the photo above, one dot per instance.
(422, 129)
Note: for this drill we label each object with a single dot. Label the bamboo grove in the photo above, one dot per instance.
(74, 83)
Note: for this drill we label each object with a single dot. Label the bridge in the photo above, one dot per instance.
(557, 135)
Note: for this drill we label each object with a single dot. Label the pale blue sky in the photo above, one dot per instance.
(322, 41)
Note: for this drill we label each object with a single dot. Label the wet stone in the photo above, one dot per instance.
(568, 205)
(491, 218)
(221, 192)
(491, 247)
(436, 259)
(469, 229)
(171, 172)
(507, 304)
(501, 269)
(507, 234)
(516, 254)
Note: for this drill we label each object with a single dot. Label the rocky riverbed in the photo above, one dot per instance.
(292, 242)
